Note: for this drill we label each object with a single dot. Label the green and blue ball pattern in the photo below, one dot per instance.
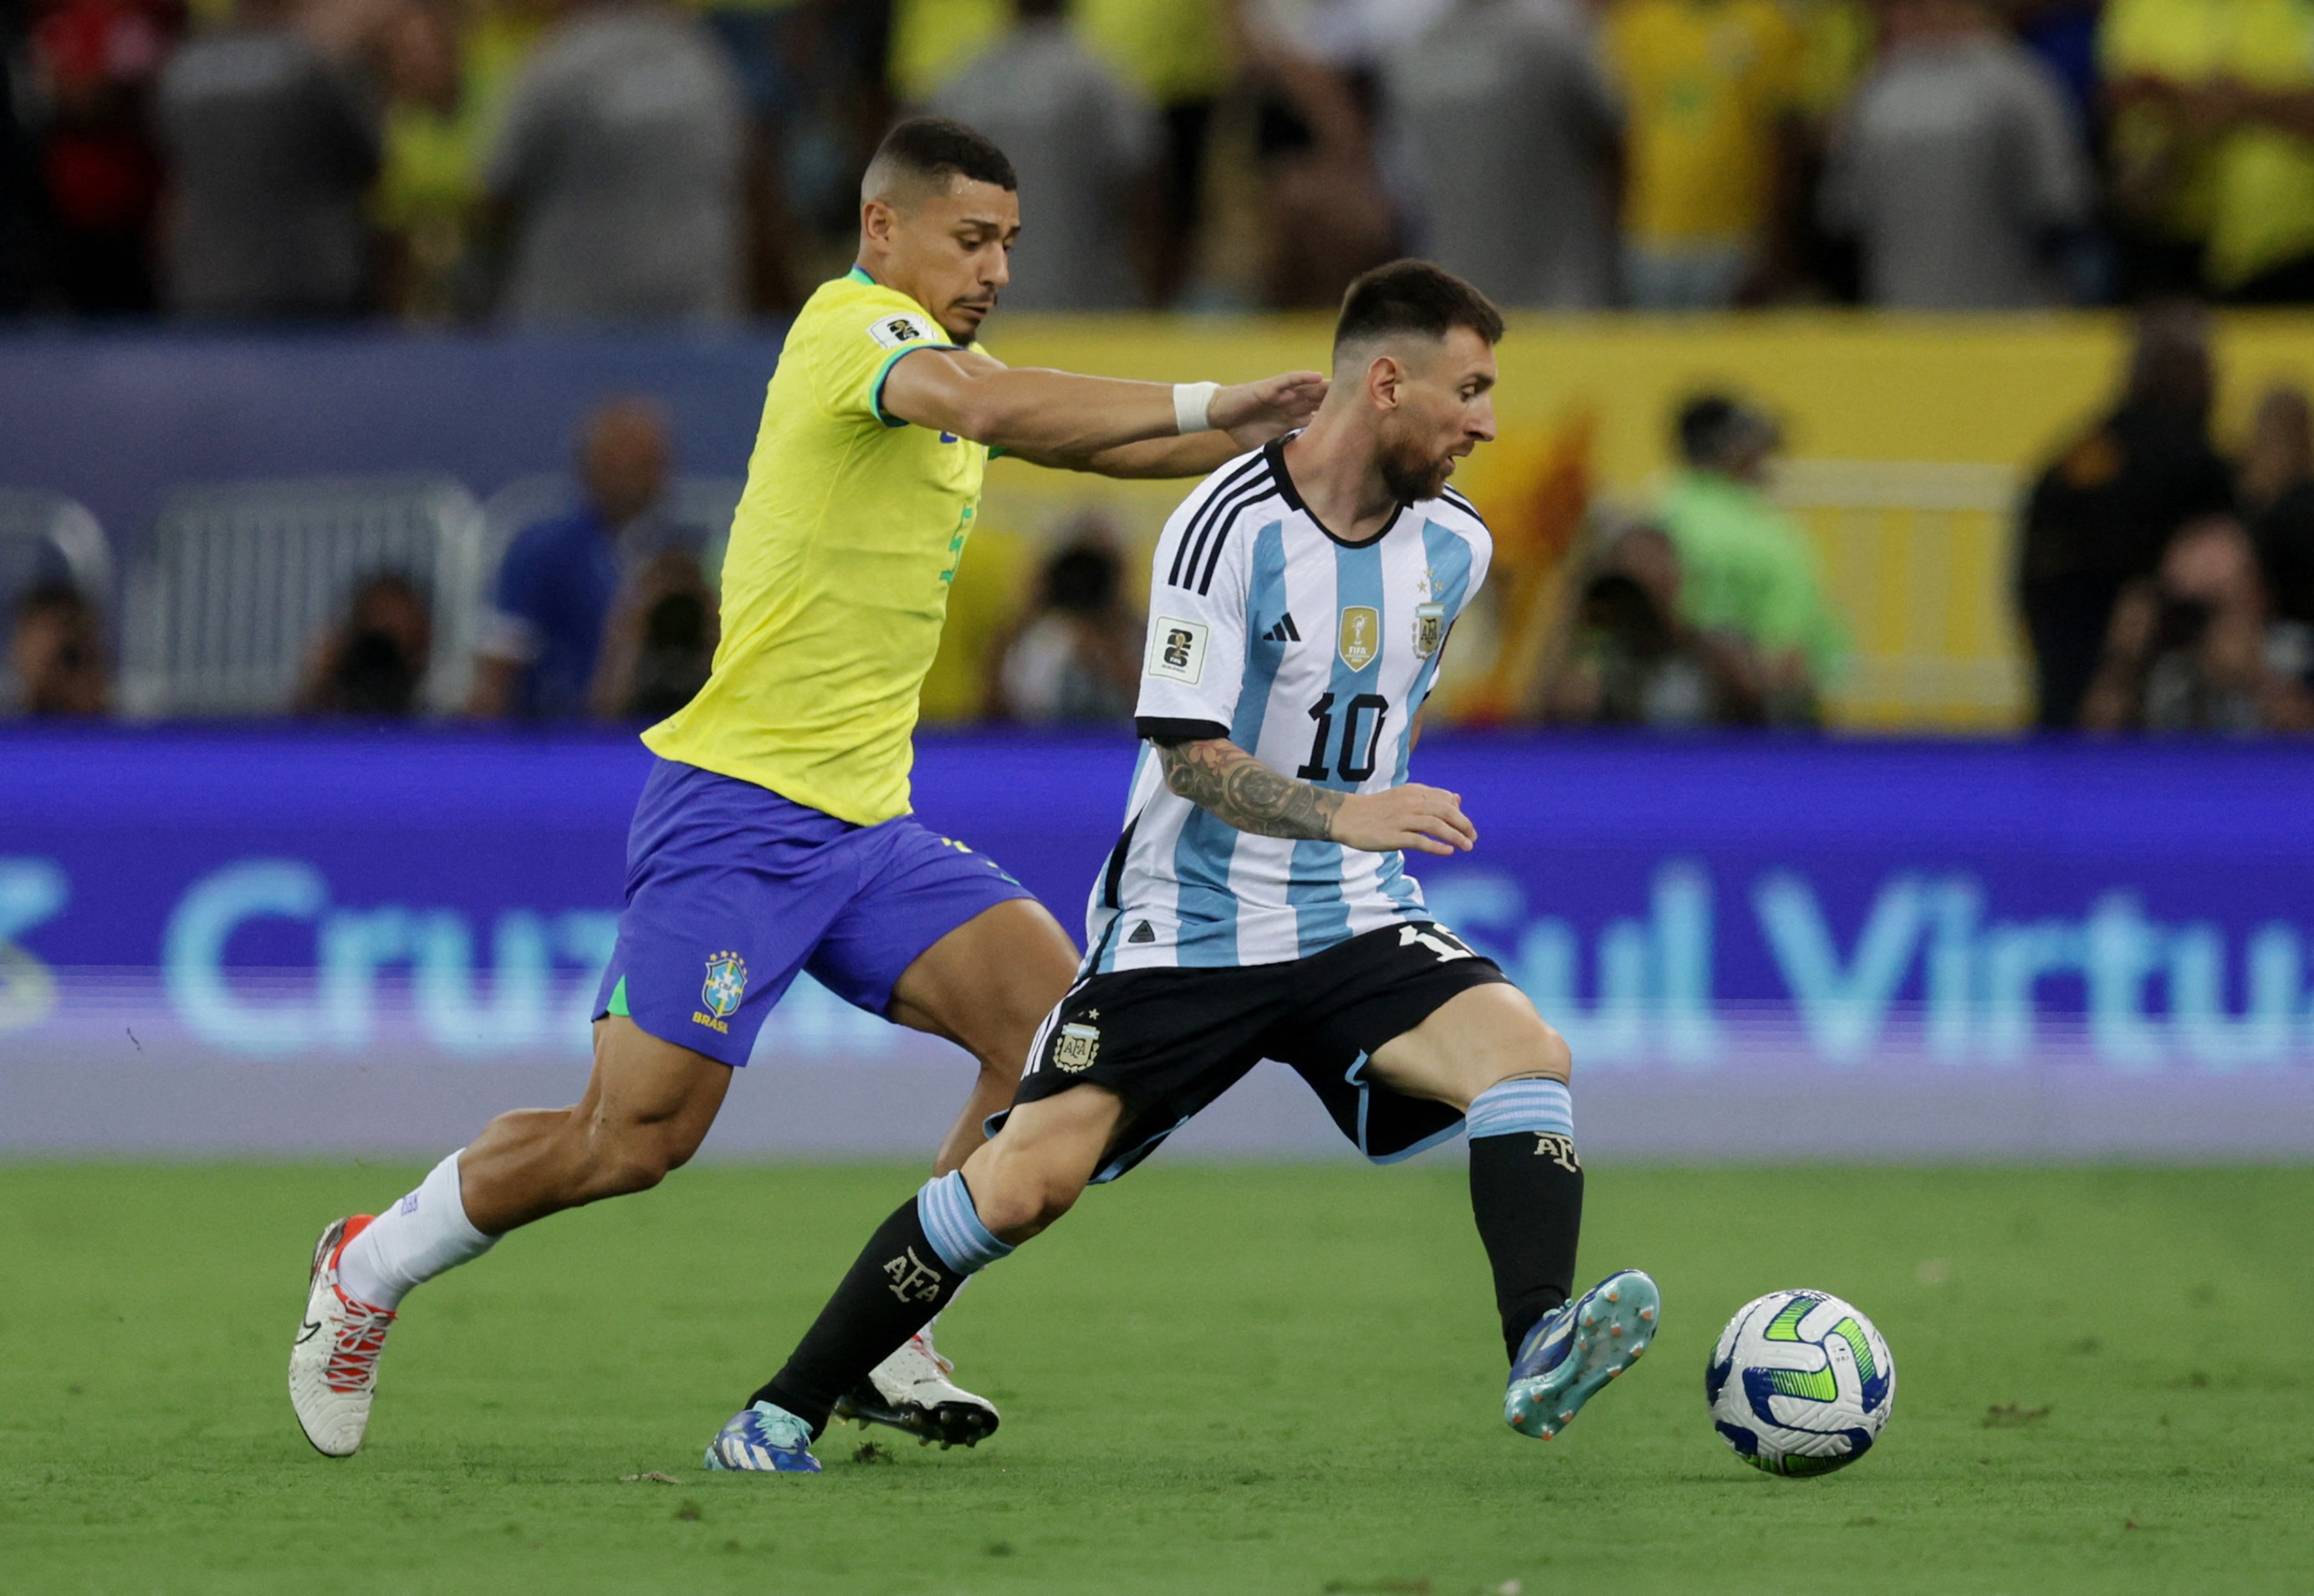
(1800, 1383)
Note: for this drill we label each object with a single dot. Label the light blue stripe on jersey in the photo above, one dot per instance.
(1448, 555)
(1321, 915)
(1522, 1107)
(944, 1207)
(1206, 933)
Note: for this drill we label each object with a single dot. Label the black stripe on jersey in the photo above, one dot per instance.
(1258, 465)
(1462, 504)
(1112, 879)
(1213, 561)
(1244, 489)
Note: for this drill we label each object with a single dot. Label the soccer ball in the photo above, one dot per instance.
(1800, 1383)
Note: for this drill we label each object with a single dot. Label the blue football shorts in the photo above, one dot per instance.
(732, 889)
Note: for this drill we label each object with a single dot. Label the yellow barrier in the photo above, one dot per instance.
(1908, 436)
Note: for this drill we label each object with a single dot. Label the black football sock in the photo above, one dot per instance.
(914, 1263)
(1526, 1192)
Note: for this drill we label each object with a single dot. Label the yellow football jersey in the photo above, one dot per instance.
(836, 580)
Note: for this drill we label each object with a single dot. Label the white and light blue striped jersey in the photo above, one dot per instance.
(1313, 656)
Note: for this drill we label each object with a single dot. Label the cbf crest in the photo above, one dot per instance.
(727, 983)
(1078, 1046)
(1430, 629)
(1361, 636)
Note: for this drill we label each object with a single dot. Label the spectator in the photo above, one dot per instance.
(102, 177)
(620, 165)
(15, 185)
(271, 148)
(1516, 130)
(1630, 657)
(373, 664)
(661, 643)
(1177, 53)
(1749, 573)
(1325, 212)
(1083, 145)
(561, 579)
(56, 653)
(1713, 89)
(2102, 514)
(2188, 649)
(428, 196)
(1078, 655)
(2277, 497)
(1956, 166)
(2213, 144)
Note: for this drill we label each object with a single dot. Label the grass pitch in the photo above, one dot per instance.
(1214, 1379)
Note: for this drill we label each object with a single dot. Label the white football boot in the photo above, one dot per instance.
(911, 1391)
(333, 1366)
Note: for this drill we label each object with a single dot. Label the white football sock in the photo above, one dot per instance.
(416, 1240)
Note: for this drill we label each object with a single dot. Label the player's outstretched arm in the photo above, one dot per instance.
(1218, 775)
(1101, 424)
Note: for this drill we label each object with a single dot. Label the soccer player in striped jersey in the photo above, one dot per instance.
(773, 834)
(1257, 905)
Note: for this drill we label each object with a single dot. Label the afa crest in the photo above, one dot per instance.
(1361, 635)
(1077, 1047)
(727, 983)
(1430, 629)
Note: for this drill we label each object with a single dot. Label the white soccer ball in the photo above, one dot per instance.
(1800, 1383)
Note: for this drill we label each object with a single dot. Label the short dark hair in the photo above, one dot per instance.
(1709, 425)
(931, 149)
(1418, 298)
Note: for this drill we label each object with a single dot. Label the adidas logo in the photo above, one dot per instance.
(1285, 632)
(1142, 933)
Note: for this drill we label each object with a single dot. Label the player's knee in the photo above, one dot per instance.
(621, 1158)
(1019, 1197)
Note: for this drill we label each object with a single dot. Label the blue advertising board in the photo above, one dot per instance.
(1757, 947)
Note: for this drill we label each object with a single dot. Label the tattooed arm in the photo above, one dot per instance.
(1218, 775)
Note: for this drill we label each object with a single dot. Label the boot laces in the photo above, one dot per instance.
(352, 1364)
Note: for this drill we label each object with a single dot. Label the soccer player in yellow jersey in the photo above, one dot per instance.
(774, 834)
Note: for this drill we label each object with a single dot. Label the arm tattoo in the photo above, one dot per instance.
(1222, 777)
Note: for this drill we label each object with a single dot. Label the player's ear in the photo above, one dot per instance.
(875, 219)
(1384, 376)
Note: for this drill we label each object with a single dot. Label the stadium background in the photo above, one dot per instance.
(256, 938)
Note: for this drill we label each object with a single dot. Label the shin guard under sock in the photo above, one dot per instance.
(1526, 1194)
(914, 1263)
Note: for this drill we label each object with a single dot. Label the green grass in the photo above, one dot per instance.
(1214, 1379)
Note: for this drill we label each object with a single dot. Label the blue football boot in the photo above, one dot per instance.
(1577, 1349)
(764, 1440)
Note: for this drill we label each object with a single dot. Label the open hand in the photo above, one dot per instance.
(1426, 819)
(1252, 413)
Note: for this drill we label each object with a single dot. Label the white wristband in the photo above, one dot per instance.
(1190, 402)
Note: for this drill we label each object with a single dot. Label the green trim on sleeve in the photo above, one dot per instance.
(876, 390)
(618, 1003)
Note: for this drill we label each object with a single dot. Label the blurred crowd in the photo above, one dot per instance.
(540, 161)
(2164, 584)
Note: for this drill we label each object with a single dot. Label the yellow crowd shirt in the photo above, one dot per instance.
(1705, 83)
(2249, 193)
(836, 579)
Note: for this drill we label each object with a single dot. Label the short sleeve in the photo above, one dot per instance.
(1193, 667)
(860, 343)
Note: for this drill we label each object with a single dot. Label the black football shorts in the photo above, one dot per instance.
(1169, 1042)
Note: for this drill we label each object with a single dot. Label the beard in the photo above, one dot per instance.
(1412, 474)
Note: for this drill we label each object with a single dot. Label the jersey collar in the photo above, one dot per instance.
(859, 274)
(1274, 450)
